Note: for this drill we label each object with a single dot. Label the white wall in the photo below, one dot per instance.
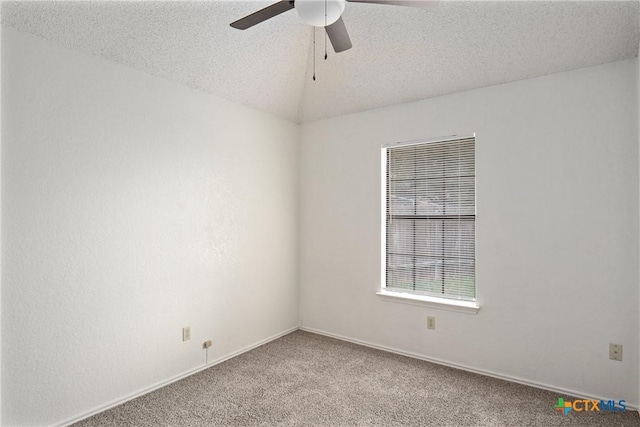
(0, 224)
(132, 207)
(557, 230)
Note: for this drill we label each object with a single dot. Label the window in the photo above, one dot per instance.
(430, 212)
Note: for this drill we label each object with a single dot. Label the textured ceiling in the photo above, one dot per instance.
(399, 54)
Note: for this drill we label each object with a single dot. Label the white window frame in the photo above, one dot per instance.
(468, 307)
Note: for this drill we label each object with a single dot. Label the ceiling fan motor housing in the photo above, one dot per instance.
(319, 13)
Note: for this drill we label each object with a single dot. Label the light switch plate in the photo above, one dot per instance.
(431, 322)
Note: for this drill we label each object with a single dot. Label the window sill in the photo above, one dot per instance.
(467, 307)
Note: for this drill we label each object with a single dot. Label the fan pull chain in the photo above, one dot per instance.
(325, 30)
(314, 54)
(325, 45)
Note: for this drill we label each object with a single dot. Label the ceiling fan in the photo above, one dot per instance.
(321, 13)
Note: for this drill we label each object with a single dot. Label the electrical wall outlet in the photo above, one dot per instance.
(186, 333)
(615, 352)
(431, 322)
(206, 344)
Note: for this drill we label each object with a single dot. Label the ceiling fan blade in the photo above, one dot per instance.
(339, 36)
(263, 14)
(413, 3)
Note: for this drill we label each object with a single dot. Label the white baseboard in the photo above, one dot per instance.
(178, 377)
(510, 378)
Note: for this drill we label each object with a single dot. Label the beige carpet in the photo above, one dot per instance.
(305, 379)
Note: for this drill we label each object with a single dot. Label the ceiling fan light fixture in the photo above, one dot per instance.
(313, 11)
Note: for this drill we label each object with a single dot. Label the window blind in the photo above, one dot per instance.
(430, 219)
